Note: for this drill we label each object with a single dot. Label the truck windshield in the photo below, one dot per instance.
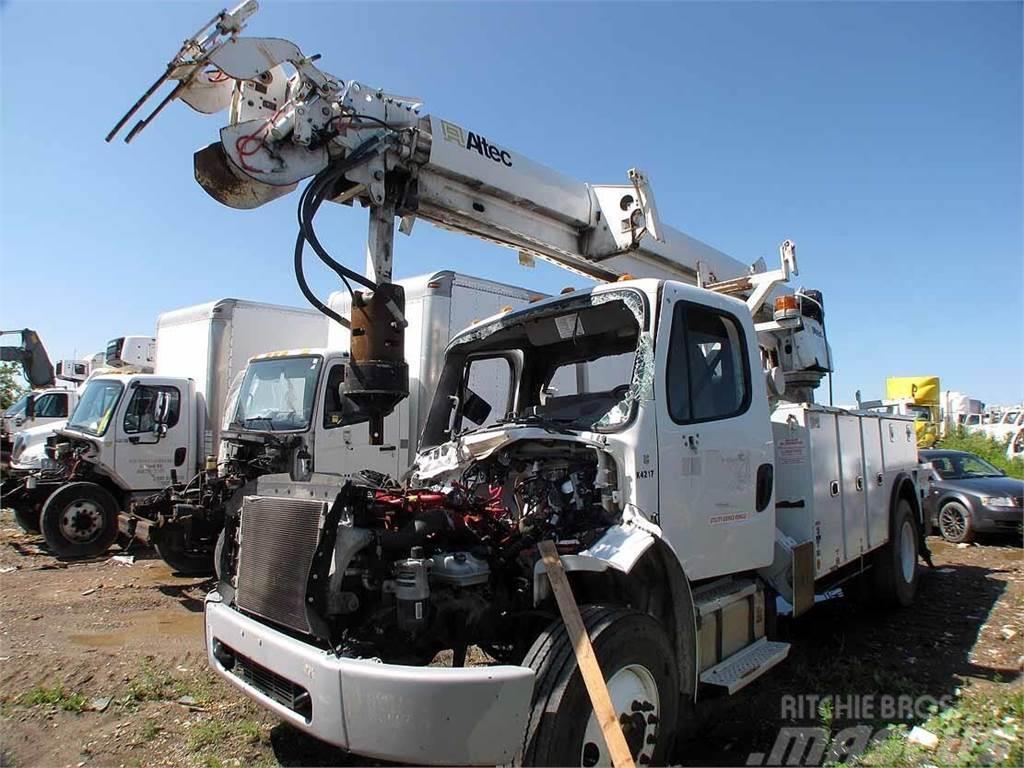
(93, 412)
(277, 394)
(579, 364)
(18, 407)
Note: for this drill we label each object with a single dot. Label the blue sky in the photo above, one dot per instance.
(884, 138)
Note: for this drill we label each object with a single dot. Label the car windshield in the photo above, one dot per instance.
(92, 414)
(277, 394)
(961, 466)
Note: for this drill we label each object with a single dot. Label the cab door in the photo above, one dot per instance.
(144, 460)
(715, 442)
(343, 447)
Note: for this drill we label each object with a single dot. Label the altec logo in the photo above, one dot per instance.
(470, 140)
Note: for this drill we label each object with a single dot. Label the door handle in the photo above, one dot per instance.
(692, 441)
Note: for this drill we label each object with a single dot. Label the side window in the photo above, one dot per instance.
(51, 407)
(491, 379)
(708, 377)
(339, 411)
(139, 415)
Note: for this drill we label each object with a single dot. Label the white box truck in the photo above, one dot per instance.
(131, 434)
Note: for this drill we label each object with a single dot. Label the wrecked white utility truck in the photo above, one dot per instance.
(682, 499)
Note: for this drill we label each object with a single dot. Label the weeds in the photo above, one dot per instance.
(250, 730)
(150, 730)
(978, 730)
(42, 695)
(207, 734)
(152, 684)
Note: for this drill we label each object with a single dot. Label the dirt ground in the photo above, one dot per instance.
(102, 663)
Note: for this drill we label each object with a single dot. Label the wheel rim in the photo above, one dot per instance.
(634, 696)
(81, 521)
(908, 551)
(953, 522)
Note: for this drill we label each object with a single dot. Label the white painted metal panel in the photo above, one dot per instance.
(851, 462)
(826, 491)
(875, 482)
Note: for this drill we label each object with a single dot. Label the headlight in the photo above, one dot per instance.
(998, 501)
(19, 444)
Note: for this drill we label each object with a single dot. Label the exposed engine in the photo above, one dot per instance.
(402, 573)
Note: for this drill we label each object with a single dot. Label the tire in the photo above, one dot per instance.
(170, 545)
(79, 520)
(637, 660)
(954, 523)
(218, 554)
(27, 518)
(895, 572)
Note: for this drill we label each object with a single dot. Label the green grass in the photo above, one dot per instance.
(153, 684)
(207, 734)
(150, 730)
(991, 450)
(250, 730)
(55, 695)
(967, 736)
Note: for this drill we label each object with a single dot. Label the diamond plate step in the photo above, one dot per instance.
(744, 667)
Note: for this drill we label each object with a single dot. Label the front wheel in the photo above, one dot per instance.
(79, 520)
(896, 565)
(187, 560)
(638, 663)
(955, 523)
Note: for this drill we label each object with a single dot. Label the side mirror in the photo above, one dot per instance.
(161, 413)
(475, 408)
(30, 407)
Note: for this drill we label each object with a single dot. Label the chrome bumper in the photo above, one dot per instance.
(420, 715)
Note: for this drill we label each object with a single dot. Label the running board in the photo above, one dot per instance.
(744, 667)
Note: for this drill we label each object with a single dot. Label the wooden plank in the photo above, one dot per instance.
(589, 668)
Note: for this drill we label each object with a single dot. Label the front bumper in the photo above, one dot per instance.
(420, 715)
(997, 519)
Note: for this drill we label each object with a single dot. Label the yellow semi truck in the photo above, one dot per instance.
(918, 396)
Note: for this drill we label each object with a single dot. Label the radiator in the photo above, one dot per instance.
(278, 539)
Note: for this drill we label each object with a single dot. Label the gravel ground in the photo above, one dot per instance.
(103, 664)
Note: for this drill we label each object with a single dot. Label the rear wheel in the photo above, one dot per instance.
(955, 523)
(79, 520)
(895, 572)
(175, 550)
(638, 663)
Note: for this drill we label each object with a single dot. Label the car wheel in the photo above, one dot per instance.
(955, 523)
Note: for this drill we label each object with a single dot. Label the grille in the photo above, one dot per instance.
(271, 684)
(278, 540)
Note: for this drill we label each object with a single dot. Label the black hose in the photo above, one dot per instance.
(312, 197)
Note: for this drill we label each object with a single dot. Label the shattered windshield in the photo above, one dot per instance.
(277, 394)
(580, 364)
(94, 409)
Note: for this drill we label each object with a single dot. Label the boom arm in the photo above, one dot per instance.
(31, 355)
(290, 121)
